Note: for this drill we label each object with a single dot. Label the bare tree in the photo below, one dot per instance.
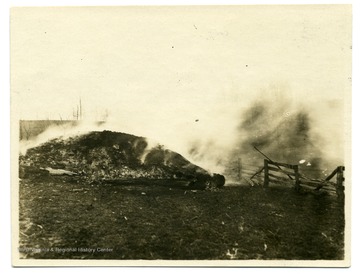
(25, 130)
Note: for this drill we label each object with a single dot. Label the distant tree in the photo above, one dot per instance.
(25, 131)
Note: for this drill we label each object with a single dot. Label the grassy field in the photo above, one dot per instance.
(144, 220)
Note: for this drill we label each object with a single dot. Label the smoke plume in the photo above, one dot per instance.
(288, 132)
(221, 139)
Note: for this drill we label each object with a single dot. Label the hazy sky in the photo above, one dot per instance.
(158, 70)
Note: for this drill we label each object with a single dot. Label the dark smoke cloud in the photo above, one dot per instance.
(283, 135)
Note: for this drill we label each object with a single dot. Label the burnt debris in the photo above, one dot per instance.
(111, 156)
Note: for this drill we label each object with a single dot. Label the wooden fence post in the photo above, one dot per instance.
(339, 183)
(266, 173)
(297, 178)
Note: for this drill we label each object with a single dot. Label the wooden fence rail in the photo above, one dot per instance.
(291, 171)
(276, 172)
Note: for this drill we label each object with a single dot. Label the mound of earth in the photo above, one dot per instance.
(111, 156)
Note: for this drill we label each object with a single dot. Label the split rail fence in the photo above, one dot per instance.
(286, 174)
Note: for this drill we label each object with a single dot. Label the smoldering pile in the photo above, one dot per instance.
(111, 156)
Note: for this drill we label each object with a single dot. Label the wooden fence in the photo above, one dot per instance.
(336, 187)
(274, 171)
(287, 174)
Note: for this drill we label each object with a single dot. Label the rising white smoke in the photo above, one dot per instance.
(287, 128)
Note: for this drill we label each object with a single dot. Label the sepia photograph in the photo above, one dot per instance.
(181, 135)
